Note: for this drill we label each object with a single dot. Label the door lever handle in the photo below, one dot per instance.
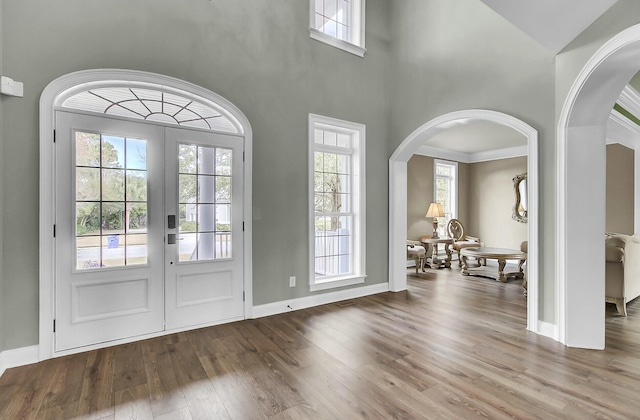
(171, 239)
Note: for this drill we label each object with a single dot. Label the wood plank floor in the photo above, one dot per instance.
(449, 347)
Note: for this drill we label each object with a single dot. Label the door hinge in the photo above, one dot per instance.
(54, 136)
(243, 296)
(243, 156)
(243, 226)
(54, 231)
(54, 325)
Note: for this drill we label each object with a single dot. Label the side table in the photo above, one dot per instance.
(437, 262)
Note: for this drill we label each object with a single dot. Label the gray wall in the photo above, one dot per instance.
(620, 189)
(450, 56)
(491, 200)
(257, 54)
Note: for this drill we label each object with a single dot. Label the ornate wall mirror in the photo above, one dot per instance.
(520, 206)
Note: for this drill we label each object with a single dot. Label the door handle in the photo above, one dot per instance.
(171, 239)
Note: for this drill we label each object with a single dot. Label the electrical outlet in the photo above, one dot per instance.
(292, 281)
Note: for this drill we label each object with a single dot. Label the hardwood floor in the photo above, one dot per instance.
(448, 347)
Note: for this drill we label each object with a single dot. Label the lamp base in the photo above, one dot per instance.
(435, 228)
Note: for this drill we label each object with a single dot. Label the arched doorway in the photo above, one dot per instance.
(187, 117)
(398, 196)
(581, 163)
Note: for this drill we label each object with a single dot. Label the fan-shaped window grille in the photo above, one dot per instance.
(151, 105)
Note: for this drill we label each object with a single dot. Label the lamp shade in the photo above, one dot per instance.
(435, 210)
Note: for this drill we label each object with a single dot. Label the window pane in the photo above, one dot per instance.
(88, 252)
(136, 186)
(113, 185)
(87, 149)
(206, 164)
(318, 136)
(224, 158)
(188, 247)
(136, 217)
(187, 159)
(112, 152)
(206, 189)
(87, 184)
(113, 251)
(188, 218)
(188, 185)
(223, 189)
(87, 219)
(206, 246)
(136, 154)
(330, 138)
(223, 244)
(206, 218)
(136, 249)
(223, 217)
(344, 140)
(112, 218)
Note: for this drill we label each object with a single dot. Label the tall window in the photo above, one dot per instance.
(336, 184)
(339, 23)
(446, 190)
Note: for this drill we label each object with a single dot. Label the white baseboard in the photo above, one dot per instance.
(18, 357)
(317, 300)
(547, 329)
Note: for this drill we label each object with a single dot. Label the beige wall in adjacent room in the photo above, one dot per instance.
(420, 194)
(620, 189)
(491, 199)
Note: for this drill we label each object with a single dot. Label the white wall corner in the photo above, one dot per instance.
(283, 306)
(18, 357)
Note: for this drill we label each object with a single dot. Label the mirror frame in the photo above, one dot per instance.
(517, 215)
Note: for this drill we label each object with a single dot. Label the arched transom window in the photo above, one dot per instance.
(155, 105)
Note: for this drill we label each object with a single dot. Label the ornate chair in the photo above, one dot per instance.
(417, 252)
(455, 230)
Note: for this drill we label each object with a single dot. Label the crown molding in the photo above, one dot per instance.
(506, 153)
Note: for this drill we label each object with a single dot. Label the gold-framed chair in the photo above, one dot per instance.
(455, 230)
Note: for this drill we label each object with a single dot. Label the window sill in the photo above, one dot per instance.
(336, 282)
(338, 43)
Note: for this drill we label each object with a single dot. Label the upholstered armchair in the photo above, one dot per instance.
(622, 270)
(455, 230)
(417, 252)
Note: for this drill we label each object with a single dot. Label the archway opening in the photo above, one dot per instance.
(398, 196)
(581, 161)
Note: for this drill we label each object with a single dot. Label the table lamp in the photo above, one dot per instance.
(435, 211)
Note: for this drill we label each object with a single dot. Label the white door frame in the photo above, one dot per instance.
(51, 98)
(398, 197)
(581, 144)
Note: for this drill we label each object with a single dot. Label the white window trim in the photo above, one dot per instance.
(358, 203)
(454, 194)
(357, 46)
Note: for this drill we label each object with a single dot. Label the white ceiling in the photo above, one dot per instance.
(472, 141)
(552, 23)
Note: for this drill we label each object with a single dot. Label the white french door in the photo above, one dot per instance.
(148, 229)
(203, 264)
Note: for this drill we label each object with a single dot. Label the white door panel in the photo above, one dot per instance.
(122, 270)
(204, 281)
(109, 245)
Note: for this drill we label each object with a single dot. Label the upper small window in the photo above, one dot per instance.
(339, 23)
